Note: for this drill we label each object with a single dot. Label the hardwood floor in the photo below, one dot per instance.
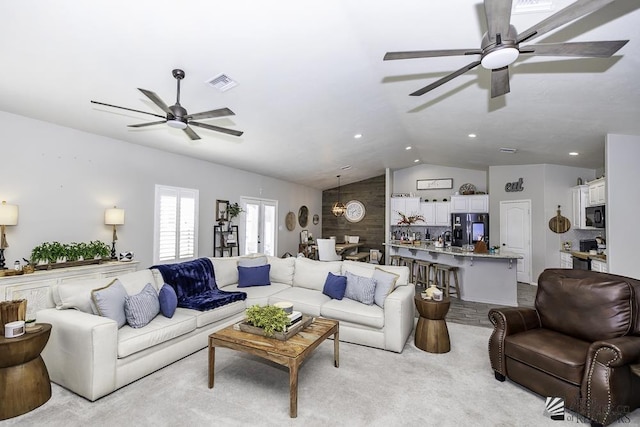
(476, 314)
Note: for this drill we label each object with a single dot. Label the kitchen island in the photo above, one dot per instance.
(486, 278)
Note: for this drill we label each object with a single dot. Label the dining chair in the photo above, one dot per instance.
(327, 250)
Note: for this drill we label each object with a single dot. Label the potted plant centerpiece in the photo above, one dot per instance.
(269, 318)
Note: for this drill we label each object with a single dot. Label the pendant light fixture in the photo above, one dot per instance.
(338, 208)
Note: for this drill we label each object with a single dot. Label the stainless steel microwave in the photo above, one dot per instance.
(595, 216)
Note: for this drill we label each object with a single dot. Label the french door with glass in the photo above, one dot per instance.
(261, 225)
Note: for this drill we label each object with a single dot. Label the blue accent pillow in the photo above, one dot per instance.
(168, 300)
(254, 276)
(141, 308)
(335, 286)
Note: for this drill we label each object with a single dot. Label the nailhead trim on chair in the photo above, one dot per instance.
(495, 319)
(590, 377)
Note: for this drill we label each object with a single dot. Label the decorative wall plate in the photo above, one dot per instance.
(303, 216)
(467, 188)
(316, 219)
(290, 221)
(355, 211)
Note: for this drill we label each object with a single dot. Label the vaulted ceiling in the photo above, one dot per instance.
(310, 76)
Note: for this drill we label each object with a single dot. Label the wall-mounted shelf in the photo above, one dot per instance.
(225, 241)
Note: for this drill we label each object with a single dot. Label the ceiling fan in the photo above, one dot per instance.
(177, 117)
(500, 45)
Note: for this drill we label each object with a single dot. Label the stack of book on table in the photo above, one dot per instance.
(295, 317)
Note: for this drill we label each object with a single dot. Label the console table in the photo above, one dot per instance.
(36, 287)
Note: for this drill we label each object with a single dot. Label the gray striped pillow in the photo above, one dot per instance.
(140, 309)
(359, 288)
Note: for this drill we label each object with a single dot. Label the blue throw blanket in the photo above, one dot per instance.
(195, 285)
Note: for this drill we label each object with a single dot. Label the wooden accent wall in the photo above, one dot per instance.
(371, 193)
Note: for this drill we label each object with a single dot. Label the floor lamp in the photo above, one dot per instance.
(114, 216)
(8, 216)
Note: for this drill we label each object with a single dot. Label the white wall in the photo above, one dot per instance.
(547, 186)
(623, 204)
(404, 180)
(63, 179)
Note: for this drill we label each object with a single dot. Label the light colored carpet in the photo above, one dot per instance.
(370, 388)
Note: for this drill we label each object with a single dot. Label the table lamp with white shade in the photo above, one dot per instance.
(8, 216)
(114, 216)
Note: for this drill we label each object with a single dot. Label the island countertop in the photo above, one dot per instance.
(452, 250)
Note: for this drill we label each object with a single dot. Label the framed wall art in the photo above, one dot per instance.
(434, 184)
(222, 211)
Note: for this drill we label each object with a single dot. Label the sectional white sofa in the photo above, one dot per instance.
(90, 356)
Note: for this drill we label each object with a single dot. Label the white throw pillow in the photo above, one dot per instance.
(282, 269)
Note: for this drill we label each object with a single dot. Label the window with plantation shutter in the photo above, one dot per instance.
(175, 225)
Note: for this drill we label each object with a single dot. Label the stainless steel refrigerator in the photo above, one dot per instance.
(469, 228)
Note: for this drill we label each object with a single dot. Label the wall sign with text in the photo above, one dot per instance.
(434, 184)
(512, 187)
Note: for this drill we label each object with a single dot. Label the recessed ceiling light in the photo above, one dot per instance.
(507, 150)
(408, 147)
(472, 135)
(573, 153)
(346, 167)
(357, 136)
(416, 160)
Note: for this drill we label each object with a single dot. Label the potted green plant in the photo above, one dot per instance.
(233, 210)
(269, 317)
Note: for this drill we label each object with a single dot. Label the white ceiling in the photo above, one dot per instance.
(310, 75)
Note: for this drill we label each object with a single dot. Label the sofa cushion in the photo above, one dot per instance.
(554, 353)
(168, 300)
(141, 308)
(226, 270)
(307, 301)
(335, 286)
(282, 269)
(601, 305)
(367, 269)
(253, 276)
(76, 294)
(360, 288)
(110, 301)
(204, 318)
(159, 330)
(135, 282)
(385, 284)
(348, 310)
(252, 260)
(258, 294)
(311, 274)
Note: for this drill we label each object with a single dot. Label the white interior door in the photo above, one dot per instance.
(260, 225)
(515, 234)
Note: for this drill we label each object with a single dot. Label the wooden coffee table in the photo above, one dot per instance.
(290, 353)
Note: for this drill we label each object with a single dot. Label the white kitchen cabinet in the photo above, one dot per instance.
(478, 203)
(597, 192)
(566, 260)
(579, 199)
(407, 205)
(601, 266)
(436, 213)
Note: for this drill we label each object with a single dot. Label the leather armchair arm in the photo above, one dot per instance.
(609, 386)
(508, 321)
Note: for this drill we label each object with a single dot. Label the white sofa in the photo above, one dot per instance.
(90, 356)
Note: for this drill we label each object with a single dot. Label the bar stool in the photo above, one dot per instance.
(395, 260)
(443, 273)
(411, 263)
(423, 275)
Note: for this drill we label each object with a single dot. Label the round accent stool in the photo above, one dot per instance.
(443, 279)
(24, 379)
(432, 334)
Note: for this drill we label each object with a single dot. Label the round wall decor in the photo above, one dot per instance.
(316, 219)
(290, 221)
(303, 216)
(355, 211)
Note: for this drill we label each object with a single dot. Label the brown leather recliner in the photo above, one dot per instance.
(580, 343)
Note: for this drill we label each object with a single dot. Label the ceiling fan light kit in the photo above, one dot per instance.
(176, 116)
(500, 45)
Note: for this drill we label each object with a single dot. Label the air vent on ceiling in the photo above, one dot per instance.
(222, 82)
(527, 6)
(508, 150)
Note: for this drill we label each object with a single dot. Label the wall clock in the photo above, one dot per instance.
(355, 211)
